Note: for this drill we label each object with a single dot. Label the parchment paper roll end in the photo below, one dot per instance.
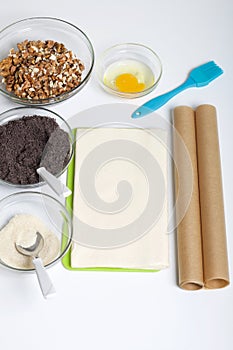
(206, 108)
(182, 108)
(189, 285)
(217, 283)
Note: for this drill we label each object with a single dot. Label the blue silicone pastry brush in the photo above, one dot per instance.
(198, 77)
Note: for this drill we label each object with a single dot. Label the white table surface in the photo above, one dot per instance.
(131, 310)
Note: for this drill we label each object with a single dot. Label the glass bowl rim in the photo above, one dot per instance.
(65, 95)
(71, 135)
(68, 243)
(130, 44)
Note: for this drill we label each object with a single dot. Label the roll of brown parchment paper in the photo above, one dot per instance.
(215, 259)
(189, 243)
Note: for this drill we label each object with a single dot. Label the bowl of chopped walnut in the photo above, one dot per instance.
(44, 60)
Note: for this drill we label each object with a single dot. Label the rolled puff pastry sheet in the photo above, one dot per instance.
(138, 157)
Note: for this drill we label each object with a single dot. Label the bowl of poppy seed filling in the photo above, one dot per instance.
(44, 61)
(30, 138)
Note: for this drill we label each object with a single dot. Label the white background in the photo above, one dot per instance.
(135, 311)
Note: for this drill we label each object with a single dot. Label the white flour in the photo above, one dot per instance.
(22, 229)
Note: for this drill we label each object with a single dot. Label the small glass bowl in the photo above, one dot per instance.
(47, 28)
(19, 112)
(50, 211)
(129, 51)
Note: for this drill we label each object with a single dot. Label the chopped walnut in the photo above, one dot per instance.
(40, 70)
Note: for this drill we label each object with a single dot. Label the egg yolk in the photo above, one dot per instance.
(128, 83)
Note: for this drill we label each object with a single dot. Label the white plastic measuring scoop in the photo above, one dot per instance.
(56, 185)
(46, 285)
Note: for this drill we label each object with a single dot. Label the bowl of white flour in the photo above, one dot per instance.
(22, 216)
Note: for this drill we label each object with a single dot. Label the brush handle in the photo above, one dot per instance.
(159, 101)
(46, 284)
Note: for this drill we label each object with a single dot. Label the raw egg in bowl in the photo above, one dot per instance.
(129, 70)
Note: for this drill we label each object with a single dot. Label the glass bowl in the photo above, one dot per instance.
(122, 56)
(47, 28)
(51, 212)
(19, 112)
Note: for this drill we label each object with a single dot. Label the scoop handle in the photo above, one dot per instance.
(54, 182)
(46, 284)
